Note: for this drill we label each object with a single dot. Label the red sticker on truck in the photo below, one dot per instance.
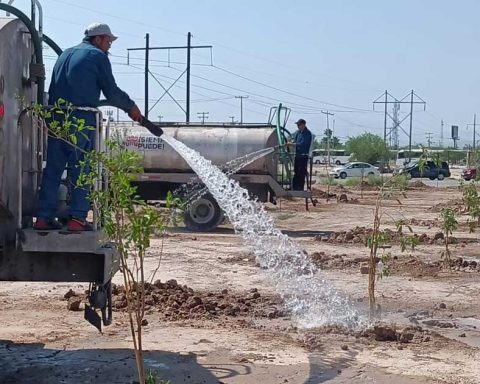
(144, 143)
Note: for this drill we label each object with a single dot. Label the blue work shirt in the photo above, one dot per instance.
(80, 74)
(303, 140)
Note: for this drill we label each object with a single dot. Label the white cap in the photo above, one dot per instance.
(98, 29)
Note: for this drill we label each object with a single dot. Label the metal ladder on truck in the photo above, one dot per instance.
(286, 158)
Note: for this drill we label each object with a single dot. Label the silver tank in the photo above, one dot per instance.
(16, 93)
(220, 144)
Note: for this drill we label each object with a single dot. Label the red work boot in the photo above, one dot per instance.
(47, 224)
(79, 225)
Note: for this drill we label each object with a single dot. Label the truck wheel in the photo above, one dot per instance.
(441, 176)
(203, 214)
(338, 162)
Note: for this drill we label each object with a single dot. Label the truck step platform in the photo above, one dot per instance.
(32, 240)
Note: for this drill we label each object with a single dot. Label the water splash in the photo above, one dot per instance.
(312, 299)
(194, 189)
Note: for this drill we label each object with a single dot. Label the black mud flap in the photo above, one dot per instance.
(92, 317)
(99, 297)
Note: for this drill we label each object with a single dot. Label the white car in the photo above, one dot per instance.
(355, 170)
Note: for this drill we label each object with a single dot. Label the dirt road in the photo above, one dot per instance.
(240, 332)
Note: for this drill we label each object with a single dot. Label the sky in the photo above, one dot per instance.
(309, 55)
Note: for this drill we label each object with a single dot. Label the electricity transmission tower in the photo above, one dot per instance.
(411, 98)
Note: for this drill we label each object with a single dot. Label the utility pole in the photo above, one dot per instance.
(202, 116)
(187, 99)
(411, 125)
(474, 130)
(188, 47)
(147, 52)
(160, 118)
(441, 133)
(233, 119)
(241, 107)
(429, 138)
(329, 135)
(474, 142)
(414, 99)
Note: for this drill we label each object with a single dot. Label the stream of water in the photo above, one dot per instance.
(312, 299)
(195, 189)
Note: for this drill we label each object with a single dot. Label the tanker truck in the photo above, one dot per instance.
(57, 256)
(266, 178)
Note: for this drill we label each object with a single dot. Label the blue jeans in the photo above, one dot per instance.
(59, 154)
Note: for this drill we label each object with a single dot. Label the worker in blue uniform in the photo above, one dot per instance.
(302, 140)
(80, 74)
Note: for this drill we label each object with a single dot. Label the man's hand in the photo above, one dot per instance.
(135, 114)
(290, 144)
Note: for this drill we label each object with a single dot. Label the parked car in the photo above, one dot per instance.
(431, 171)
(469, 174)
(355, 169)
(383, 167)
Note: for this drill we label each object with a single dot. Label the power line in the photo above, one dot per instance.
(109, 14)
(188, 47)
(287, 92)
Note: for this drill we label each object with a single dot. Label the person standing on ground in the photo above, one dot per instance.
(78, 77)
(302, 139)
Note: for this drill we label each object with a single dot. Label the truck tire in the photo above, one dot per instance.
(441, 176)
(203, 215)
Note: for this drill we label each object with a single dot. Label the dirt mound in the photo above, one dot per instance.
(398, 266)
(175, 302)
(418, 184)
(455, 204)
(425, 223)
(366, 186)
(359, 235)
(314, 340)
(318, 193)
(411, 266)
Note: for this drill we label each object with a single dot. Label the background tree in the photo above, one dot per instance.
(334, 140)
(367, 147)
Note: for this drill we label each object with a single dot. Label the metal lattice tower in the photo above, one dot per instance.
(394, 139)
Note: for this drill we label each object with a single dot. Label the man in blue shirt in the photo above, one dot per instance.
(80, 74)
(302, 139)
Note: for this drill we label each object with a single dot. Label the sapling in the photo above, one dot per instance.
(127, 221)
(448, 224)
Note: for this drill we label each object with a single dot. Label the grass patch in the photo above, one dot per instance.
(353, 181)
(399, 182)
(329, 180)
(377, 181)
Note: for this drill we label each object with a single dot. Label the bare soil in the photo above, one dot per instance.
(213, 316)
